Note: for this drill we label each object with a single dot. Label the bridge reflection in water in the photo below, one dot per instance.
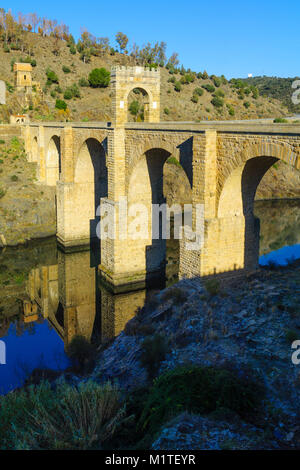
(69, 294)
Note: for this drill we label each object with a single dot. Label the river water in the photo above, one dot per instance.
(47, 297)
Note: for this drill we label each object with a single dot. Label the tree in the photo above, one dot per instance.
(60, 104)
(134, 108)
(34, 20)
(173, 60)
(99, 78)
(122, 40)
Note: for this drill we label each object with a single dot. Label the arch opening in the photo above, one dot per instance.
(239, 228)
(138, 105)
(91, 185)
(53, 161)
(157, 190)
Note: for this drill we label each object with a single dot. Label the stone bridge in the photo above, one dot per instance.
(222, 162)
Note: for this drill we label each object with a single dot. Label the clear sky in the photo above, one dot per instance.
(233, 38)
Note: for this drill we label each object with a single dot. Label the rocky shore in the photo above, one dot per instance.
(247, 328)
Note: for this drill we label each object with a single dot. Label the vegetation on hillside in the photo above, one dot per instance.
(75, 75)
(277, 88)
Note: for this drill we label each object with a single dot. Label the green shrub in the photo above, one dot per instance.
(217, 102)
(53, 94)
(166, 111)
(208, 87)
(178, 295)
(51, 77)
(280, 120)
(174, 161)
(83, 82)
(198, 91)
(177, 86)
(217, 81)
(199, 390)
(66, 69)
(2, 193)
(73, 49)
(212, 286)
(82, 417)
(220, 93)
(194, 99)
(60, 104)
(134, 108)
(14, 178)
(68, 94)
(247, 104)
(230, 110)
(99, 78)
(154, 350)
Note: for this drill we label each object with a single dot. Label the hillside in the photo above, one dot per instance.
(186, 104)
(276, 88)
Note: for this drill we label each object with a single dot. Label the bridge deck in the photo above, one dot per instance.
(257, 127)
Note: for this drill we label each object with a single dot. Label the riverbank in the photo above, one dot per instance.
(27, 208)
(235, 340)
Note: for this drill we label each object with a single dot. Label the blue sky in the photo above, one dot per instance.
(233, 38)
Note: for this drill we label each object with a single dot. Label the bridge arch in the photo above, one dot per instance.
(147, 101)
(236, 227)
(239, 181)
(91, 184)
(53, 161)
(146, 187)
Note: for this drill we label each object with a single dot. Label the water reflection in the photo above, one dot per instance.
(70, 296)
(47, 297)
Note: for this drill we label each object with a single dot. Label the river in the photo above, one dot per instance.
(47, 296)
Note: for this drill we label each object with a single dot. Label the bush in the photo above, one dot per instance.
(212, 286)
(134, 108)
(208, 87)
(68, 94)
(2, 193)
(199, 390)
(220, 93)
(60, 104)
(73, 49)
(176, 294)
(83, 82)
(177, 86)
(167, 111)
(247, 104)
(99, 78)
(154, 350)
(217, 102)
(65, 418)
(231, 110)
(51, 77)
(14, 178)
(66, 69)
(280, 121)
(217, 81)
(198, 91)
